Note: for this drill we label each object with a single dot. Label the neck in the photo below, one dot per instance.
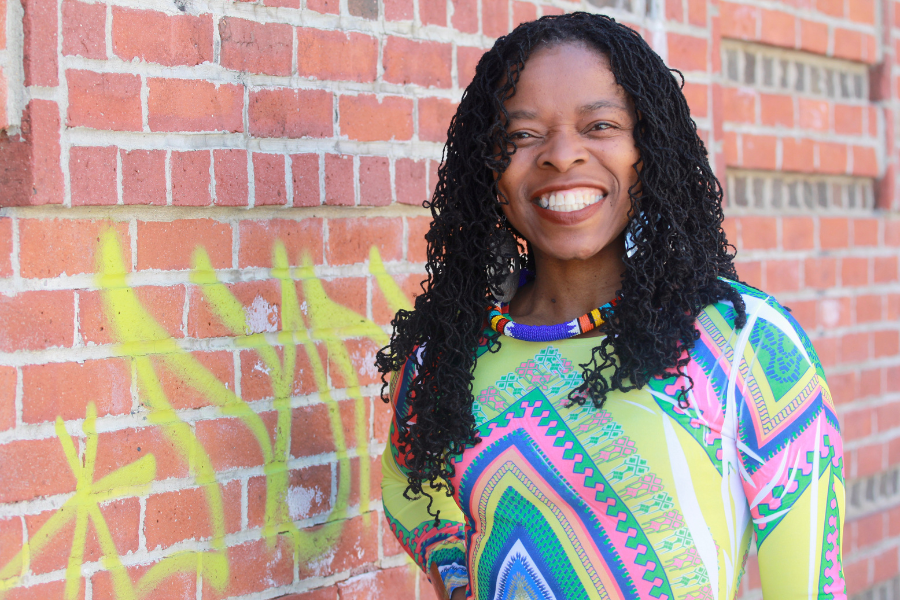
(566, 289)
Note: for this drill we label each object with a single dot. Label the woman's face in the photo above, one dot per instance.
(567, 183)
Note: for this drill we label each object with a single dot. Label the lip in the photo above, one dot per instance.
(569, 218)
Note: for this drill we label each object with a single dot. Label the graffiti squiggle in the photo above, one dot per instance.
(141, 337)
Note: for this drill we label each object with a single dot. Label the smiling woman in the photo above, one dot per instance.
(605, 412)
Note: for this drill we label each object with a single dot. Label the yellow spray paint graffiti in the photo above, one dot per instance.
(140, 337)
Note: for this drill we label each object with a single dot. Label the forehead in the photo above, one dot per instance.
(567, 75)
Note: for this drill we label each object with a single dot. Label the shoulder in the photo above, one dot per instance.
(771, 335)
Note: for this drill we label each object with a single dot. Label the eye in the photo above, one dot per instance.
(520, 135)
(600, 126)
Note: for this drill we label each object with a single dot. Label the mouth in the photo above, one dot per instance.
(570, 200)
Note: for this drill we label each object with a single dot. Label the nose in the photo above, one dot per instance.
(562, 151)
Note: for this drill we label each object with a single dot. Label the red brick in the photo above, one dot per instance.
(778, 28)
(33, 468)
(230, 169)
(311, 430)
(191, 178)
(156, 37)
(172, 517)
(40, 26)
(834, 8)
(820, 273)
(10, 539)
(54, 247)
(854, 348)
(144, 177)
(813, 36)
(416, 245)
(849, 44)
(191, 105)
(339, 180)
(523, 12)
(122, 518)
(177, 384)
(868, 308)
(759, 151)
(886, 269)
(887, 343)
(797, 233)
(750, 272)
(308, 495)
(419, 62)
(349, 240)
(231, 444)
(495, 17)
(324, 6)
(299, 237)
(410, 181)
(782, 275)
(862, 11)
(854, 271)
(305, 179)
(84, 29)
(256, 384)
(674, 10)
(740, 104)
(758, 233)
(833, 233)
(434, 118)
(357, 544)
(848, 120)
(832, 157)
(122, 447)
(892, 232)
(374, 181)
(259, 300)
(288, 113)
(367, 118)
(466, 60)
(465, 16)
(6, 244)
(265, 48)
(269, 179)
(696, 95)
(42, 172)
(8, 378)
(169, 246)
(813, 114)
(4, 116)
(798, 155)
(697, 12)
(104, 100)
(865, 161)
(885, 562)
(865, 232)
(37, 320)
(176, 585)
(336, 55)
(92, 171)
(857, 424)
(687, 52)
(261, 567)
(398, 582)
(398, 10)
(65, 389)
(164, 304)
(738, 20)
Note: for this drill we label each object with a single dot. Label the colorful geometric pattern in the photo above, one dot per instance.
(641, 499)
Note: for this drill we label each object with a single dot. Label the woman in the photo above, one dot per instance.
(626, 415)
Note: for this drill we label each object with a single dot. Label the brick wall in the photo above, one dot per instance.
(210, 211)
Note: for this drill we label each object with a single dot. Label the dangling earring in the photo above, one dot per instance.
(632, 229)
(503, 272)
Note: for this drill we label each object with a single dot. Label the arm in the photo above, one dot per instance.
(439, 551)
(791, 458)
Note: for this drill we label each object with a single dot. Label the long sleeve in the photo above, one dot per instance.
(790, 455)
(413, 527)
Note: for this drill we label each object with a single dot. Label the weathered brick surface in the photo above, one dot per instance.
(241, 163)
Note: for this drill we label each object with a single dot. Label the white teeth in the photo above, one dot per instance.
(570, 200)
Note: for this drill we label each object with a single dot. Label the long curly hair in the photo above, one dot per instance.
(679, 248)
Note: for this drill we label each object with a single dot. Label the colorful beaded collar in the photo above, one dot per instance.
(503, 324)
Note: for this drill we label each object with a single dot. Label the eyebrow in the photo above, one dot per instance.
(587, 108)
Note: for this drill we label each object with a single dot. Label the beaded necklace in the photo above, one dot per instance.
(503, 324)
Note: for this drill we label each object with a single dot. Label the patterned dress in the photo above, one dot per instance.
(641, 499)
